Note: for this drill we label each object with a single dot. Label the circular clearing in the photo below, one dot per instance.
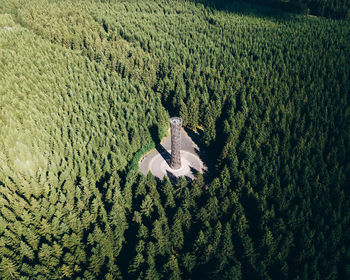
(190, 163)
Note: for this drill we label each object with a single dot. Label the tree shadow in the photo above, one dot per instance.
(202, 153)
(188, 179)
(195, 136)
(172, 178)
(273, 9)
(194, 171)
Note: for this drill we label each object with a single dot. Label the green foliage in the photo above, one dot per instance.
(83, 86)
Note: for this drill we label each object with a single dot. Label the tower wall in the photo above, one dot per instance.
(175, 127)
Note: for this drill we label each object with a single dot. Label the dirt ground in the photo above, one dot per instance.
(157, 160)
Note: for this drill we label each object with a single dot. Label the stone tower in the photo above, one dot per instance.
(175, 127)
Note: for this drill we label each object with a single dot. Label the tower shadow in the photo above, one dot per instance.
(156, 139)
(164, 153)
(153, 130)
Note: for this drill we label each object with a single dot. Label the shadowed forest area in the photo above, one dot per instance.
(87, 87)
(338, 9)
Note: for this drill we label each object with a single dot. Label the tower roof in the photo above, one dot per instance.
(176, 121)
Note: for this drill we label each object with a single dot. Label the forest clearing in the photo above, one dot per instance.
(88, 87)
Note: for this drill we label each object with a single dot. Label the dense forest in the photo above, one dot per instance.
(86, 87)
(338, 9)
